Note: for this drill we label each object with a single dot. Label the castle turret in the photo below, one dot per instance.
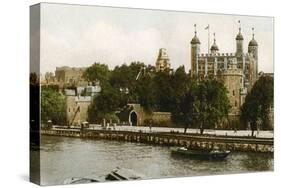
(253, 51)
(214, 47)
(232, 79)
(239, 42)
(195, 50)
(253, 46)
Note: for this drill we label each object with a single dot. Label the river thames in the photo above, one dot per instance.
(64, 157)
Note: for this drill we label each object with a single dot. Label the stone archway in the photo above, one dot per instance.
(133, 118)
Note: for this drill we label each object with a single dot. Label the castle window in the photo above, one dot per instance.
(68, 109)
(233, 92)
(235, 103)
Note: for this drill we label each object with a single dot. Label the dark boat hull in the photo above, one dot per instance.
(118, 174)
(201, 154)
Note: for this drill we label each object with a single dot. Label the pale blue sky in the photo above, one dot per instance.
(74, 35)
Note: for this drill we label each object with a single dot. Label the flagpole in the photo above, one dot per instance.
(208, 38)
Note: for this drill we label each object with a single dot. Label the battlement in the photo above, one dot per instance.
(216, 55)
(67, 68)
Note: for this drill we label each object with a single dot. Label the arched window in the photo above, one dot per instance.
(233, 92)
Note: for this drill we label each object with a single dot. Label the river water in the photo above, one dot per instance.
(63, 157)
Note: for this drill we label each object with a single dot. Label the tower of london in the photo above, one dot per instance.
(237, 70)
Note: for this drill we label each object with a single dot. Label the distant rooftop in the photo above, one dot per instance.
(70, 68)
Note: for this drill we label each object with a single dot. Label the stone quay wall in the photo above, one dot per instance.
(241, 144)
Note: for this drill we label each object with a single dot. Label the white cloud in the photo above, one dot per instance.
(81, 35)
(101, 43)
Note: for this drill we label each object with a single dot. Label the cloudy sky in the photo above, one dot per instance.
(73, 35)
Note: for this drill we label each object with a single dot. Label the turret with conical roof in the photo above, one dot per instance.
(214, 47)
(253, 46)
(239, 42)
(253, 42)
(195, 39)
(253, 51)
(239, 36)
(195, 50)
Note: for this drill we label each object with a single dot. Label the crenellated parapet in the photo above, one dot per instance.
(216, 55)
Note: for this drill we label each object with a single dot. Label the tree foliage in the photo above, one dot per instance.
(258, 102)
(52, 105)
(105, 105)
(97, 73)
(144, 93)
(191, 103)
(210, 104)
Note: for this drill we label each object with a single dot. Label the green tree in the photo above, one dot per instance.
(163, 91)
(52, 105)
(180, 81)
(126, 78)
(118, 88)
(145, 93)
(106, 104)
(182, 111)
(258, 103)
(210, 104)
(97, 73)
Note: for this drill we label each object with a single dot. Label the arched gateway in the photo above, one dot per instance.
(133, 118)
(137, 116)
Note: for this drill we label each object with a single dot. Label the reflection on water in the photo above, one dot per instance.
(261, 162)
(63, 157)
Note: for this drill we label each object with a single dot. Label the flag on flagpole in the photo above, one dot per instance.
(208, 28)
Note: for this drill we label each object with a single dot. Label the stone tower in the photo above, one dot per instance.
(70, 105)
(239, 43)
(253, 52)
(163, 61)
(233, 81)
(195, 50)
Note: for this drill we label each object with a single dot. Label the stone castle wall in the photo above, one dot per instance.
(70, 76)
(76, 107)
(149, 118)
(233, 81)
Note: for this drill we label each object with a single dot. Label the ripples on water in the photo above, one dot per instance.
(63, 157)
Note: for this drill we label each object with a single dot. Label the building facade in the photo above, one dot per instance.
(238, 70)
(163, 61)
(78, 102)
(70, 76)
(137, 116)
(65, 76)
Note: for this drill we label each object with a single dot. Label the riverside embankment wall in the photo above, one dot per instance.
(245, 144)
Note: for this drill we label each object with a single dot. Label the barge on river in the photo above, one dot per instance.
(200, 153)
